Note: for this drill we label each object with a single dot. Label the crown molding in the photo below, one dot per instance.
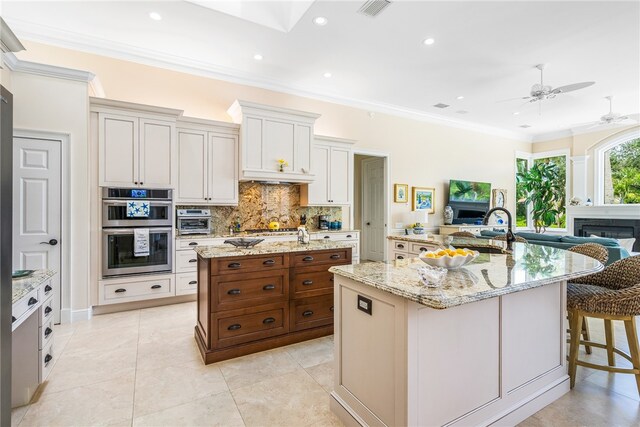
(8, 40)
(549, 136)
(580, 130)
(127, 52)
(28, 67)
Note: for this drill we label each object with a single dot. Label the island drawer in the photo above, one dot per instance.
(245, 325)
(248, 290)
(421, 247)
(248, 264)
(311, 281)
(311, 312)
(46, 333)
(400, 255)
(333, 257)
(46, 361)
(335, 236)
(46, 310)
(26, 304)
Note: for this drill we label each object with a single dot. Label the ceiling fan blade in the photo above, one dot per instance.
(572, 87)
(513, 99)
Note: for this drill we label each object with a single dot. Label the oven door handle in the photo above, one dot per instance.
(124, 202)
(130, 230)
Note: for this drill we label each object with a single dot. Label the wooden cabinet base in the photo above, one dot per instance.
(218, 355)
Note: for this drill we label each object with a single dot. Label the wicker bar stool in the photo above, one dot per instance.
(463, 234)
(612, 294)
(504, 238)
(599, 252)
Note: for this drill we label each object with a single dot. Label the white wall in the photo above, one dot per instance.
(61, 106)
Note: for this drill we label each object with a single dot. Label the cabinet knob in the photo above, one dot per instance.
(32, 301)
(47, 332)
(47, 310)
(47, 288)
(48, 358)
(141, 183)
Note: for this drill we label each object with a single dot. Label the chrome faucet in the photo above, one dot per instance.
(510, 236)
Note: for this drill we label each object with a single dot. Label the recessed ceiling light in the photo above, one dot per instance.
(327, 75)
(155, 16)
(516, 113)
(320, 21)
(429, 41)
(257, 57)
(460, 97)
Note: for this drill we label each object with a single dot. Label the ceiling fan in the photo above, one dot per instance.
(611, 117)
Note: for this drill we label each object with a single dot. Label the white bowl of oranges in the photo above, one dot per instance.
(449, 258)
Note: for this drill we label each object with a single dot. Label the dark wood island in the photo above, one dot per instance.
(268, 296)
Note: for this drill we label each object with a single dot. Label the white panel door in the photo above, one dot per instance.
(319, 189)
(156, 153)
(119, 150)
(278, 144)
(373, 209)
(192, 166)
(37, 208)
(340, 176)
(223, 169)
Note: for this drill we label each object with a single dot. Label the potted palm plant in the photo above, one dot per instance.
(543, 192)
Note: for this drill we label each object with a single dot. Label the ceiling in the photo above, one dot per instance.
(483, 51)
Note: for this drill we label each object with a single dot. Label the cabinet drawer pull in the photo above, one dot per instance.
(193, 243)
(307, 258)
(47, 332)
(156, 286)
(233, 292)
(234, 265)
(268, 320)
(307, 282)
(118, 291)
(47, 289)
(47, 310)
(269, 287)
(423, 249)
(335, 256)
(48, 358)
(327, 237)
(32, 301)
(13, 319)
(307, 313)
(331, 279)
(269, 262)
(331, 309)
(193, 282)
(400, 246)
(399, 257)
(193, 260)
(349, 236)
(234, 327)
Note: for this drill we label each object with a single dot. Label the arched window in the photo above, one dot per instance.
(617, 170)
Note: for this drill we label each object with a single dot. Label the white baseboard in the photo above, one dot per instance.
(69, 316)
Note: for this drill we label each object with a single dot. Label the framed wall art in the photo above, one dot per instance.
(400, 193)
(423, 199)
(499, 198)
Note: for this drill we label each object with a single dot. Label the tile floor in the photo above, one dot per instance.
(142, 368)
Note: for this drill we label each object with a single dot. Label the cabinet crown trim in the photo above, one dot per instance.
(99, 104)
(185, 121)
(322, 139)
(239, 107)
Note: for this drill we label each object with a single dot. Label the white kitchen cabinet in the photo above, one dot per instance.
(136, 144)
(207, 162)
(269, 134)
(332, 163)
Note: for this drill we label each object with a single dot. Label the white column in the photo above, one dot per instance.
(579, 177)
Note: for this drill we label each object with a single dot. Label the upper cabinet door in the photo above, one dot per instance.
(318, 190)
(340, 176)
(223, 169)
(278, 144)
(192, 167)
(157, 149)
(118, 150)
(302, 150)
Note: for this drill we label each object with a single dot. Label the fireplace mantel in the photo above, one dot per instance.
(602, 212)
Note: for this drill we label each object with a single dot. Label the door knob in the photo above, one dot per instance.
(51, 242)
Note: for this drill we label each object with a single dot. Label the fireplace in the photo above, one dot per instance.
(612, 228)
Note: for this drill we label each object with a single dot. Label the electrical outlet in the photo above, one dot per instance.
(399, 225)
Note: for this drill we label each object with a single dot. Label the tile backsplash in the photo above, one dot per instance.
(261, 203)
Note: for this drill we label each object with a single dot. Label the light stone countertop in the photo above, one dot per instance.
(24, 285)
(269, 248)
(490, 275)
(446, 241)
(266, 233)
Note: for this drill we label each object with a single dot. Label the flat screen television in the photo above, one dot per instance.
(469, 191)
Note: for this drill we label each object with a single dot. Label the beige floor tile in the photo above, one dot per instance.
(323, 374)
(313, 352)
(624, 384)
(166, 348)
(100, 404)
(60, 343)
(216, 410)
(250, 369)
(17, 414)
(169, 317)
(293, 399)
(104, 341)
(121, 321)
(158, 389)
(65, 329)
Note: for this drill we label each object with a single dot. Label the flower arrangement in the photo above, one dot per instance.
(282, 163)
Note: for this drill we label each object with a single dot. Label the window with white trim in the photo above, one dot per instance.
(617, 170)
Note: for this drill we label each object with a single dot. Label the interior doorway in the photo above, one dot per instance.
(371, 204)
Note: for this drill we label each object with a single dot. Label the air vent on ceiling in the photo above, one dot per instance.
(441, 105)
(525, 126)
(373, 7)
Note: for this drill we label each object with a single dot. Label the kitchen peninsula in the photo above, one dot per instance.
(487, 346)
(270, 295)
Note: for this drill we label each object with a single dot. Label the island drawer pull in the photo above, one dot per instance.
(400, 246)
(193, 243)
(327, 237)
(269, 262)
(47, 289)
(234, 292)
(234, 327)
(307, 313)
(48, 358)
(32, 301)
(307, 258)
(47, 332)
(399, 257)
(423, 249)
(307, 282)
(349, 236)
(47, 310)
(118, 291)
(331, 309)
(193, 260)
(156, 286)
(193, 282)
(268, 320)
(269, 287)
(335, 256)
(234, 265)
(331, 279)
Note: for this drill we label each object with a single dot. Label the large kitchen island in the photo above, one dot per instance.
(487, 347)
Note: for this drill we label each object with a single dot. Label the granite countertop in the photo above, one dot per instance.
(24, 285)
(457, 242)
(266, 233)
(488, 276)
(269, 248)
